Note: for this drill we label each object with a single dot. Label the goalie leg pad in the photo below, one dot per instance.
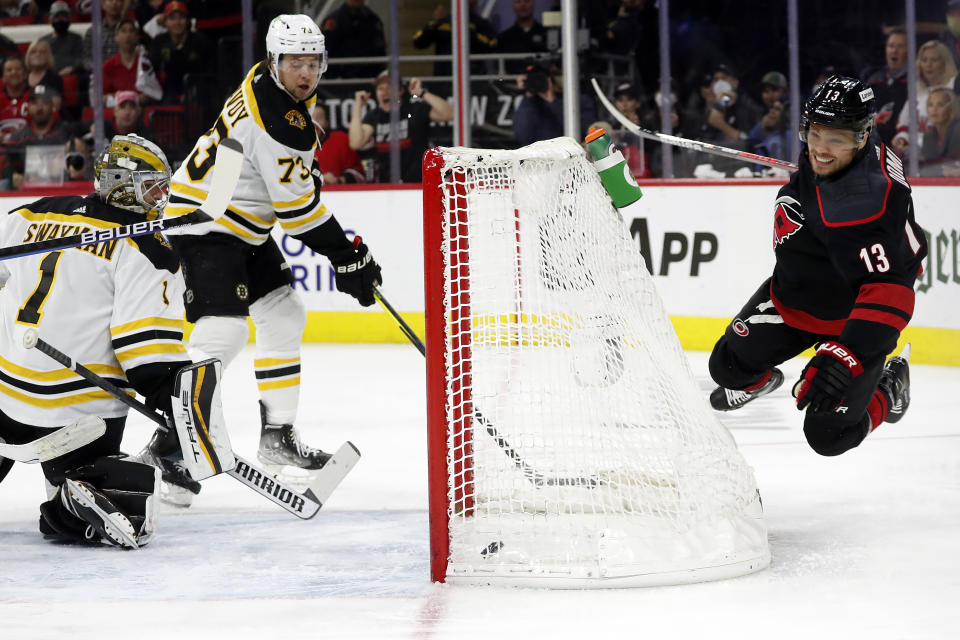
(198, 419)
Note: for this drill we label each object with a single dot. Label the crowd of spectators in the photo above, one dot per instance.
(156, 56)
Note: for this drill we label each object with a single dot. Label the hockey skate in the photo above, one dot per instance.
(723, 399)
(177, 488)
(895, 384)
(84, 501)
(282, 452)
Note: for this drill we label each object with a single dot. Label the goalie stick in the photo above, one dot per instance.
(55, 444)
(226, 173)
(535, 477)
(695, 145)
(304, 505)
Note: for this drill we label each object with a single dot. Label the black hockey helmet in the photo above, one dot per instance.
(841, 103)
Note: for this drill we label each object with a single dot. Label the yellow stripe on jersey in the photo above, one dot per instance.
(175, 348)
(293, 204)
(53, 403)
(279, 384)
(253, 218)
(59, 374)
(249, 97)
(236, 229)
(143, 323)
(273, 362)
(180, 189)
(72, 218)
(292, 226)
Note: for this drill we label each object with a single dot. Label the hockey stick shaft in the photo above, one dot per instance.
(303, 505)
(55, 444)
(226, 173)
(685, 143)
(531, 474)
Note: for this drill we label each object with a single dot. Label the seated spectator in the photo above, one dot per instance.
(336, 160)
(40, 70)
(950, 36)
(436, 33)
(146, 11)
(940, 154)
(354, 31)
(732, 114)
(889, 84)
(7, 48)
(67, 47)
(13, 98)
(127, 118)
(769, 136)
(525, 36)
(179, 51)
(125, 71)
(42, 129)
(935, 68)
(418, 107)
(112, 11)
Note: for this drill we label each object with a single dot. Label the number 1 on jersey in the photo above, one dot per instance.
(30, 312)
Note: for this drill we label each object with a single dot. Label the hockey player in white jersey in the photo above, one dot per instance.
(116, 308)
(232, 267)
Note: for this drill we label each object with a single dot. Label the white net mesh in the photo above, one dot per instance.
(579, 448)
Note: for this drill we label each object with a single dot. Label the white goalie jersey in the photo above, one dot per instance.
(275, 183)
(111, 306)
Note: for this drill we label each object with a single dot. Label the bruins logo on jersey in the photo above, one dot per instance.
(296, 119)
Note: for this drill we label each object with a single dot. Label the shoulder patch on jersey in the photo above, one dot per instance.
(296, 119)
(279, 112)
(787, 219)
(860, 195)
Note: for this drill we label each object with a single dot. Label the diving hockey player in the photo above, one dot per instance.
(115, 307)
(848, 252)
(232, 267)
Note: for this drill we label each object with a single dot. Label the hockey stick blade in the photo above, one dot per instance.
(62, 441)
(303, 505)
(685, 143)
(226, 173)
(329, 477)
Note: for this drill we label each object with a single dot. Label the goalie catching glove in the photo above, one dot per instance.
(825, 380)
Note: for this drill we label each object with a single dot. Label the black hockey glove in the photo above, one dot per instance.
(826, 378)
(358, 273)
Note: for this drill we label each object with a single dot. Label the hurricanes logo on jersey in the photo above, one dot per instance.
(787, 219)
(296, 119)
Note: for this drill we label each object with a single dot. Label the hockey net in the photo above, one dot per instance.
(570, 445)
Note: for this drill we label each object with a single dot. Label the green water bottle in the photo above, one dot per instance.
(612, 167)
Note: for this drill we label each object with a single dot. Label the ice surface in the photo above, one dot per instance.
(864, 545)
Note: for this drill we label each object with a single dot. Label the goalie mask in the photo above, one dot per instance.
(839, 103)
(292, 35)
(133, 174)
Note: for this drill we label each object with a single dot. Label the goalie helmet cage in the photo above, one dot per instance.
(569, 444)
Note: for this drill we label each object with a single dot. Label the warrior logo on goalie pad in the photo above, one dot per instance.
(198, 418)
(787, 219)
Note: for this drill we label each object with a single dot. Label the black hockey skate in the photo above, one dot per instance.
(87, 503)
(163, 452)
(723, 399)
(280, 446)
(895, 384)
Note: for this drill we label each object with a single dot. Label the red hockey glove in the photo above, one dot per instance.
(826, 378)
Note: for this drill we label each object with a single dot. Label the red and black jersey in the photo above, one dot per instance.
(848, 251)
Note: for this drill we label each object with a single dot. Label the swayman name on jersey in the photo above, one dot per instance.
(275, 182)
(113, 306)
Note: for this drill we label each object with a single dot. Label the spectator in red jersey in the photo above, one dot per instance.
(40, 70)
(120, 73)
(13, 98)
(179, 51)
(339, 163)
(112, 10)
(42, 129)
